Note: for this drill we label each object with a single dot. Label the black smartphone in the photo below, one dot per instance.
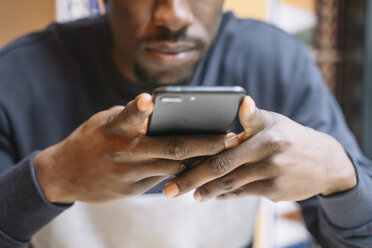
(181, 110)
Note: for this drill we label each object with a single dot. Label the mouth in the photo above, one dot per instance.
(170, 47)
(170, 53)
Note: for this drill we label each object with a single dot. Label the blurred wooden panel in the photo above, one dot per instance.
(247, 8)
(304, 4)
(18, 17)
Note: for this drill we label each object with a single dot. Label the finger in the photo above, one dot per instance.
(158, 167)
(184, 147)
(148, 183)
(135, 112)
(241, 176)
(251, 150)
(251, 118)
(263, 188)
(144, 126)
(161, 167)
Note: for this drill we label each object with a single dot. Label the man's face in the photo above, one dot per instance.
(160, 41)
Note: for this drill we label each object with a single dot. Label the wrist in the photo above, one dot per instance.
(49, 180)
(343, 179)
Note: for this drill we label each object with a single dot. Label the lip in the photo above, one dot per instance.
(170, 54)
(170, 47)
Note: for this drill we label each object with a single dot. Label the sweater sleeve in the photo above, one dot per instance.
(344, 219)
(23, 208)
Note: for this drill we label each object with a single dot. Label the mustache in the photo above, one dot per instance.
(173, 38)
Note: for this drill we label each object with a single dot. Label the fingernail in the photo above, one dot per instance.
(242, 136)
(171, 190)
(197, 196)
(230, 135)
(142, 104)
(231, 141)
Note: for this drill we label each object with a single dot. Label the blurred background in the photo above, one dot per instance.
(338, 34)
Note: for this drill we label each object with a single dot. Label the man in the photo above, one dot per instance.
(65, 136)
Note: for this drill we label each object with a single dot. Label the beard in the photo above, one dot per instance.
(172, 75)
(165, 77)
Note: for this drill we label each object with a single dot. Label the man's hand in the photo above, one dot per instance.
(277, 158)
(109, 156)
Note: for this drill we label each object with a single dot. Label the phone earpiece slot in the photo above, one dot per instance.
(171, 99)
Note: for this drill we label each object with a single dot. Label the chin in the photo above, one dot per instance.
(174, 76)
(172, 80)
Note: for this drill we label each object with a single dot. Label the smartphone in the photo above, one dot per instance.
(182, 110)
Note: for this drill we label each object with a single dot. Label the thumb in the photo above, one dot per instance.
(251, 118)
(136, 112)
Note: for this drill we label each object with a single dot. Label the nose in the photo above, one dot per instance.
(173, 15)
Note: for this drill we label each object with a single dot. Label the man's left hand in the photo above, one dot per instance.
(277, 158)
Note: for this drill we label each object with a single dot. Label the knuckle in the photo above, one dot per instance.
(178, 169)
(269, 167)
(224, 196)
(204, 192)
(272, 161)
(269, 188)
(126, 172)
(120, 156)
(94, 118)
(127, 117)
(176, 149)
(215, 145)
(110, 119)
(275, 163)
(219, 165)
(212, 148)
(94, 126)
(133, 174)
(275, 197)
(273, 119)
(85, 126)
(281, 144)
(184, 184)
(123, 150)
(275, 141)
(91, 122)
(237, 192)
(227, 183)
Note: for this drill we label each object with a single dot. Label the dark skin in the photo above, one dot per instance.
(277, 158)
(164, 39)
(109, 157)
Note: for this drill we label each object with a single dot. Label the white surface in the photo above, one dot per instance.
(152, 221)
(289, 17)
(68, 10)
(272, 11)
(288, 232)
(293, 19)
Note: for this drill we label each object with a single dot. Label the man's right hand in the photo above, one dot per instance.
(110, 157)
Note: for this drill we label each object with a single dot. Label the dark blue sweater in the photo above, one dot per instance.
(52, 81)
